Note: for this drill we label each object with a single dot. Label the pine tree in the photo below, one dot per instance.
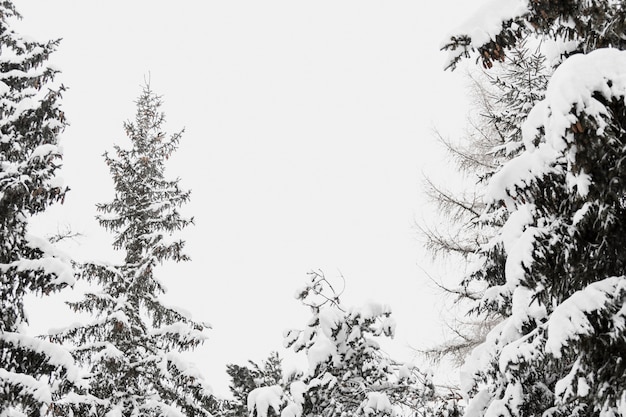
(35, 375)
(133, 348)
(556, 268)
(348, 373)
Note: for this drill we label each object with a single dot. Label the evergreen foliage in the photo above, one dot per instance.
(556, 267)
(35, 375)
(348, 373)
(584, 25)
(133, 347)
(245, 379)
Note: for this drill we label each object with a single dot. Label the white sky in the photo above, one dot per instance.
(308, 127)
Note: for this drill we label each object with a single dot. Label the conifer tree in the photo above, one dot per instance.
(35, 375)
(245, 379)
(348, 373)
(556, 268)
(503, 96)
(133, 347)
(580, 26)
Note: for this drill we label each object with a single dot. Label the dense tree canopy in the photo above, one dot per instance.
(555, 269)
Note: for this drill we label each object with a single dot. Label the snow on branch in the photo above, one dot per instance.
(553, 340)
(62, 272)
(56, 355)
(348, 372)
(482, 28)
(570, 319)
(574, 86)
(53, 262)
(571, 92)
(181, 331)
(261, 399)
(38, 390)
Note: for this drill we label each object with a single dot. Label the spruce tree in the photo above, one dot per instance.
(348, 372)
(556, 268)
(35, 375)
(133, 347)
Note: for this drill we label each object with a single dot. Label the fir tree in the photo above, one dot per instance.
(348, 373)
(35, 375)
(556, 268)
(133, 347)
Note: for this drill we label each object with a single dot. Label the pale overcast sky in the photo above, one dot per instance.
(308, 129)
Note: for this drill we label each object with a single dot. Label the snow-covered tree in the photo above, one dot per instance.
(245, 379)
(502, 98)
(556, 268)
(348, 374)
(578, 26)
(35, 375)
(133, 347)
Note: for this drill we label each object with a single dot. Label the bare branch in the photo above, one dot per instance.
(64, 234)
